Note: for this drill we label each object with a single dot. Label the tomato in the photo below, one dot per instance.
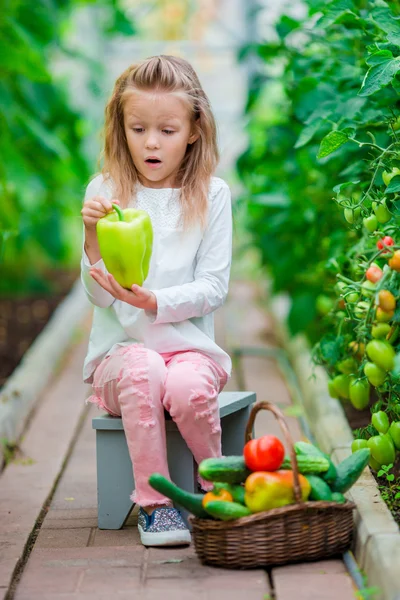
(374, 464)
(382, 448)
(360, 309)
(381, 330)
(352, 297)
(341, 384)
(381, 211)
(381, 353)
(264, 454)
(352, 215)
(324, 304)
(340, 287)
(359, 394)
(386, 241)
(332, 389)
(383, 316)
(374, 273)
(347, 366)
(368, 288)
(220, 495)
(386, 300)
(375, 375)
(370, 223)
(358, 444)
(357, 348)
(380, 421)
(394, 262)
(388, 176)
(394, 432)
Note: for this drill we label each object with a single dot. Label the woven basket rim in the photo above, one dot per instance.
(267, 515)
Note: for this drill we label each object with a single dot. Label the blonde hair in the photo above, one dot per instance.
(163, 74)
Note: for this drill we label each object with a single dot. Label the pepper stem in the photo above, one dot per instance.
(119, 212)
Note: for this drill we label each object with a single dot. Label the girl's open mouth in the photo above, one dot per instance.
(153, 162)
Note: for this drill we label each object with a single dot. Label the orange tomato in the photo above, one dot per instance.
(374, 273)
(382, 316)
(394, 262)
(223, 495)
(387, 301)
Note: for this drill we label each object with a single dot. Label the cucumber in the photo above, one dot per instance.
(228, 469)
(311, 463)
(305, 449)
(192, 502)
(350, 469)
(237, 491)
(227, 511)
(320, 490)
(338, 497)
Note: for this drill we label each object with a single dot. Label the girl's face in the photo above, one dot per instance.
(158, 129)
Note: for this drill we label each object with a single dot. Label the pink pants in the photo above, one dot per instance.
(138, 384)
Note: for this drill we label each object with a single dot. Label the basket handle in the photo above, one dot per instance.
(281, 420)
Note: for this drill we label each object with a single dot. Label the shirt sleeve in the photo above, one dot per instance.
(209, 289)
(96, 294)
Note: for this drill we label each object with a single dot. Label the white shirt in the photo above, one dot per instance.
(189, 274)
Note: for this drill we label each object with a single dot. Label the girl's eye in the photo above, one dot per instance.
(167, 131)
(137, 129)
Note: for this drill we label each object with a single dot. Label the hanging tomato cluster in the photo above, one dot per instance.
(361, 357)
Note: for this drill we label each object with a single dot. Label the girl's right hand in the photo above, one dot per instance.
(94, 209)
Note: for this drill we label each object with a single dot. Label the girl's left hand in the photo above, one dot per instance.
(136, 296)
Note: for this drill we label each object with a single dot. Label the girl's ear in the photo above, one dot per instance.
(195, 133)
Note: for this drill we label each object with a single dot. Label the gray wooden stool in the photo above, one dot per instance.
(114, 467)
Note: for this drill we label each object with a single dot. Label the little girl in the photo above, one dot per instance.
(152, 348)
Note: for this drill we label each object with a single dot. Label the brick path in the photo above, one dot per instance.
(72, 559)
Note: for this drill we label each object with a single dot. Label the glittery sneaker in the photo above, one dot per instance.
(164, 527)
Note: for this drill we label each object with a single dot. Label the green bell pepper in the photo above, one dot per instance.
(126, 241)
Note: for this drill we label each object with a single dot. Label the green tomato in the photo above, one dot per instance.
(340, 287)
(361, 309)
(381, 211)
(370, 223)
(324, 304)
(332, 389)
(375, 375)
(359, 394)
(388, 176)
(352, 297)
(368, 288)
(381, 330)
(347, 366)
(374, 464)
(358, 444)
(381, 353)
(380, 421)
(352, 215)
(394, 432)
(382, 448)
(341, 384)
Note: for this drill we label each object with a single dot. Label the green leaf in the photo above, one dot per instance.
(341, 186)
(394, 185)
(331, 347)
(307, 133)
(384, 68)
(332, 142)
(387, 22)
(335, 10)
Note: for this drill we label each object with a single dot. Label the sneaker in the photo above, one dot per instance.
(164, 527)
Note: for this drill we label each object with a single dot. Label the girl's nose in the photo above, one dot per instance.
(152, 142)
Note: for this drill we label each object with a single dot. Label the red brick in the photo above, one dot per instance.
(63, 538)
(122, 537)
(110, 580)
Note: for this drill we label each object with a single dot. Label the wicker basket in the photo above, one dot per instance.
(298, 532)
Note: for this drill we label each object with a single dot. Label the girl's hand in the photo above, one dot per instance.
(94, 209)
(136, 296)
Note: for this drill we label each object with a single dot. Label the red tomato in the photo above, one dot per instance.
(374, 273)
(264, 454)
(387, 241)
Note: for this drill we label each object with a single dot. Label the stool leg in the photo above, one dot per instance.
(114, 479)
(180, 462)
(233, 430)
